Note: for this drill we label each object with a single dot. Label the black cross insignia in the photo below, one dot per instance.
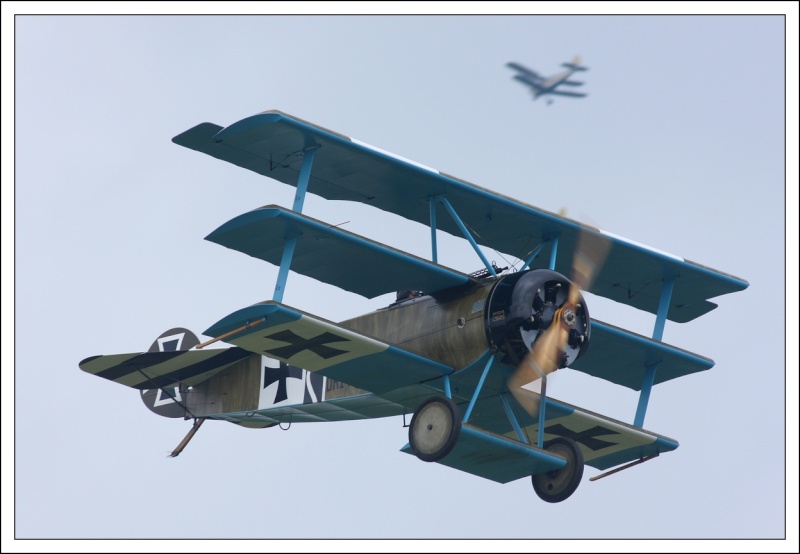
(280, 375)
(585, 437)
(318, 345)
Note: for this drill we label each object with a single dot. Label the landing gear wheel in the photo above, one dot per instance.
(434, 428)
(559, 484)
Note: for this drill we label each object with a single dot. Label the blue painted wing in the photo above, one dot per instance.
(496, 457)
(621, 357)
(332, 255)
(605, 442)
(272, 144)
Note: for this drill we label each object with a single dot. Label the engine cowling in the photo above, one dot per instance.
(522, 305)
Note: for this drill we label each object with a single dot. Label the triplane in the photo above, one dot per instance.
(467, 354)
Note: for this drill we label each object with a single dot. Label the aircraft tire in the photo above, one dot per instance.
(558, 485)
(434, 428)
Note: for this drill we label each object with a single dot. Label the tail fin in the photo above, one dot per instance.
(575, 65)
(170, 401)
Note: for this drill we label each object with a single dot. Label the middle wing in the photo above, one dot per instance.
(321, 250)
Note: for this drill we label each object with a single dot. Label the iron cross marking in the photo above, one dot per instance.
(281, 374)
(586, 437)
(318, 345)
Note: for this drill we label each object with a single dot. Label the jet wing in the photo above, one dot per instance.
(303, 340)
(332, 255)
(531, 74)
(526, 80)
(272, 144)
(568, 93)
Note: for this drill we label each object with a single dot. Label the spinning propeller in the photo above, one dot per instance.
(547, 353)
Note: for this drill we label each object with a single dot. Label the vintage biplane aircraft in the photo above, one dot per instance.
(541, 86)
(467, 354)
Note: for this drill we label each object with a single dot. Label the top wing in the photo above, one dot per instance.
(273, 144)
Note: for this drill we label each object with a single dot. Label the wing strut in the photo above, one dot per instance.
(464, 231)
(434, 254)
(506, 405)
(288, 247)
(535, 253)
(554, 253)
(478, 388)
(305, 175)
(512, 418)
(658, 332)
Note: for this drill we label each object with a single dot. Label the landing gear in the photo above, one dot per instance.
(434, 429)
(559, 484)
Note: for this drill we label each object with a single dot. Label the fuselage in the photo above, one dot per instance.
(448, 328)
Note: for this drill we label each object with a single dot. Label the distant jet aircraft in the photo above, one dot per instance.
(541, 86)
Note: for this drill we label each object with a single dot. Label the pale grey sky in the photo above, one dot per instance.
(680, 145)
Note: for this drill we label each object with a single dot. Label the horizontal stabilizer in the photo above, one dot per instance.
(156, 370)
(314, 344)
(272, 144)
(332, 255)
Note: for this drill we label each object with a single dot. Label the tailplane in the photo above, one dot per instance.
(166, 374)
(575, 65)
